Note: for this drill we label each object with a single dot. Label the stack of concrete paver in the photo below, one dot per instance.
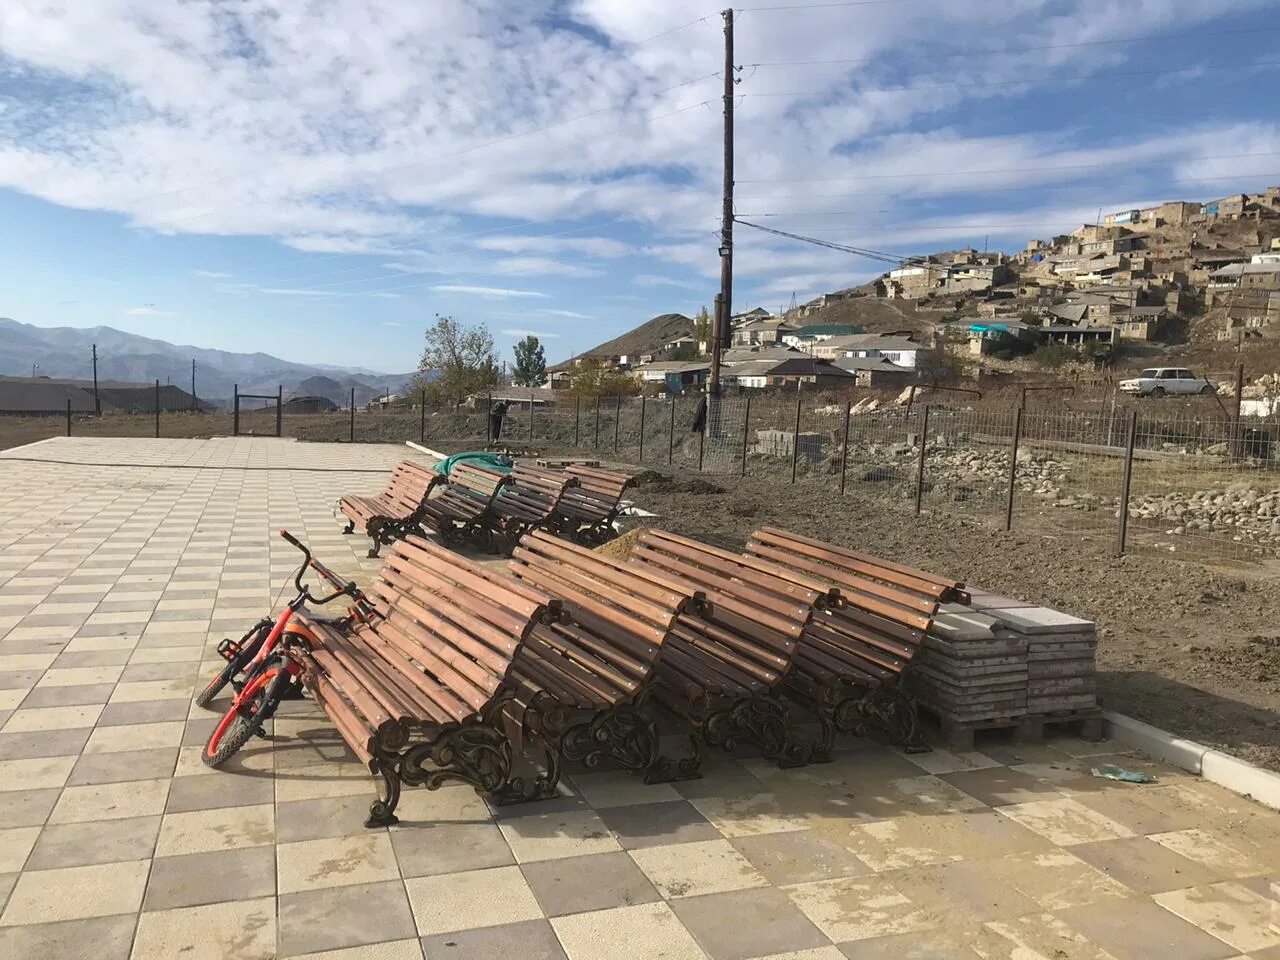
(997, 661)
(780, 443)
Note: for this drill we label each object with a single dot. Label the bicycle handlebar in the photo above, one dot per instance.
(346, 587)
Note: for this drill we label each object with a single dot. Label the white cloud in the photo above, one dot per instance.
(540, 334)
(570, 314)
(212, 274)
(657, 280)
(150, 312)
(489, 293)
(541, 267)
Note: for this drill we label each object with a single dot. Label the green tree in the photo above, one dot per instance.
(592, 378)
(531, 363)
(457, 360)
(702, 327)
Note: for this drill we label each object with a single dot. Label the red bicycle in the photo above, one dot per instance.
(269, 674)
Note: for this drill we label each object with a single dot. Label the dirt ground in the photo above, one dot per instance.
(1189, 648)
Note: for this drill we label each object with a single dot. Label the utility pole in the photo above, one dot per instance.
(194, 405)
(724, 302)
(97, 404)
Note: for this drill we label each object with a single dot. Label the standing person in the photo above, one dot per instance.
(699, 415)
(496, 413)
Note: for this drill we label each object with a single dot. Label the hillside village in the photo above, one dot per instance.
(1134, 283)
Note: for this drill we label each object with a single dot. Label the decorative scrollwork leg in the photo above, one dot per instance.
(763, 721)
(350, 527)
(886, 710)
(374, 530)
(477, 754)
(382, 812)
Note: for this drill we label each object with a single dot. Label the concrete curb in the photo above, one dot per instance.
(1214, 765)
(427, 450)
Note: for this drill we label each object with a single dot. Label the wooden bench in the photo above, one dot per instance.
(529, 498)
(724, 663)
(391, 514)
(464, 509)
(423, 693)
(596, 669)
(860, 641)
(586, 512)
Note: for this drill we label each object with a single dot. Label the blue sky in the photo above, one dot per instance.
(316, 181)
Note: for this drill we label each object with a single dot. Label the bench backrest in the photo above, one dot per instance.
(477, 482)
(410, 484)
(754, 616)
(532, 491)
(452, 627)
(619, 616)
(543, 480)
(883, 612)
(605, 485)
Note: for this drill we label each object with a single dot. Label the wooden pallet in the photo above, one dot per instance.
(559, 463)
(964, 735)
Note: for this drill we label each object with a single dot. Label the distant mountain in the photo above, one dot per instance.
(649, 337)
(127, 357)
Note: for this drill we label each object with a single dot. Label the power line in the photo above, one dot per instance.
(820, 6)
(1027, 168)
(1015, 50)
(869, 254)
(1013, 83)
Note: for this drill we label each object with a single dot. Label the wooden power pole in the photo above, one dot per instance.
(97, 404)
(724, 303)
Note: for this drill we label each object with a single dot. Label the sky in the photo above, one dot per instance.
(318, 178)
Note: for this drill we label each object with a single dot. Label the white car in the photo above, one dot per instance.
(1167, 381)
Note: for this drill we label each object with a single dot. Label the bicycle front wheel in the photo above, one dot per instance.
(255, 706)
(250, 643)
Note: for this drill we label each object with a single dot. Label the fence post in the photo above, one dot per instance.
(235, 421)
(844, 450)
(702, 443)
(642, 408)
(746, 429)
(279, 409)
(1234, 447)
(422, 416)
(595, 440)
(488, 418)
(795, 436)
(351, 438)
(531, 414)
(1122, 531)
(1013, 468)
(577, 417)
(157, 409)
(924, 443)
(68, 416)
(617, 420)
(671, 433)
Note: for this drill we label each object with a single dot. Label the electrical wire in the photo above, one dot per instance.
(820, 6)
(865, 252)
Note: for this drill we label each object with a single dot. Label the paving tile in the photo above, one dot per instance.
(965, 889)
(694, 869)
(43, 743)
(40, 719)
(1032, 937)
(939, 760)
(1143, 865)
(134, 736)
(657, 824)
(338, 917)
(26, 808)
(552, 835)
(426, 850)
(641, 932)
(335, 862)
(618, 788)
(858, 908)
(1229, 911)
(950, 944)
(747, 923)
(208, 793)
(98, 768)
(79, 676)
(596, 882)
(75, 893)
(1064, 821)
(532, 939)
(1000, 785)
(1141, 930)
(102, 938)
(243, 930)
(1228, 859)
(110, 801)
(146, 711)
(798, 857)
(194, 879)
(475, 898)
(222, 829)
(906, 841)
(105, 841)
(1055, 880)
(15, 846)
(326, 780)
(95, 694)
(35, 773)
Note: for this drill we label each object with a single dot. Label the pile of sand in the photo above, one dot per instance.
(620, 547)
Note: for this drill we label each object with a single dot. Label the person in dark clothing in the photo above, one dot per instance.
(699, 415)
(496, 413)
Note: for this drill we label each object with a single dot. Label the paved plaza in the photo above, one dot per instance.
(123, 562)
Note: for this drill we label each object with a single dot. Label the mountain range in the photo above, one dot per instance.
(66, 352)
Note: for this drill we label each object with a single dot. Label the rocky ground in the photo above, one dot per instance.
(1189, 648)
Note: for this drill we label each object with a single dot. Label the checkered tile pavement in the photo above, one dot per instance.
(116, 842)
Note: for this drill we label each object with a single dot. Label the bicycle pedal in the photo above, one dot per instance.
(237, 685)
(229, 650)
